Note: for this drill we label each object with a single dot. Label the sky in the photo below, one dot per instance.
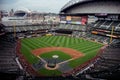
(53, 6)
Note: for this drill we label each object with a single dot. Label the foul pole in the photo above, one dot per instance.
(111, 34)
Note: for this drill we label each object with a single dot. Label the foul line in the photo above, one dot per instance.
(57, 63)
(42, 59)
(66, 61)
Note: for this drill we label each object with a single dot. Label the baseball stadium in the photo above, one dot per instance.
(82, 42)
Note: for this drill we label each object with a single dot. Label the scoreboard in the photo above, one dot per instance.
(82, 20)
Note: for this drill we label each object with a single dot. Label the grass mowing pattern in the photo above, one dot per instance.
(84, 46)
(62, 55)
(88, 48)
(26, 52)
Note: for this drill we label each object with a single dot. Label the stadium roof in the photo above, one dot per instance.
(73, 2)
(91, 7)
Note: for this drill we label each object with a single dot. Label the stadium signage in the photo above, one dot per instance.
(104, 34)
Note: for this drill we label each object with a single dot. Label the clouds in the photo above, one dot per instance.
(39, 5)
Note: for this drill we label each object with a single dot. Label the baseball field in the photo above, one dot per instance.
(71, 52)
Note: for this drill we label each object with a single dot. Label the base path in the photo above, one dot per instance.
(72, 52)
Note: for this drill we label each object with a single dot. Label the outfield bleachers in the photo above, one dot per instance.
(107, 25)
(71, 27)
(26, 28)
(99, 38)
(33, 27)
(115, 23)
(98, 23)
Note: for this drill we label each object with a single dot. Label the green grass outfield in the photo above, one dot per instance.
(89, 48)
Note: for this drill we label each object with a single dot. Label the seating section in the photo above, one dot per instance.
(98, 23)
(2, 31)
(77, 34)
(78, 30)
(106, 65)
(25, 28)
(71, 27)
(102, 24)
(7, 54)
(99, 38)
(115, 23)
(33, 28)
(105, 25)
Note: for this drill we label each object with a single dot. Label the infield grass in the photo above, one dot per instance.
(62, 55)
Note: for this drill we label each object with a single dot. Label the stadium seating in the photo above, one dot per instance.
(97, 69)
(2, 31)
(98, 23)
(7, 55)
(107, 64)
(102, 24)
(71, 27)
(33, 28)
(26, 28)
